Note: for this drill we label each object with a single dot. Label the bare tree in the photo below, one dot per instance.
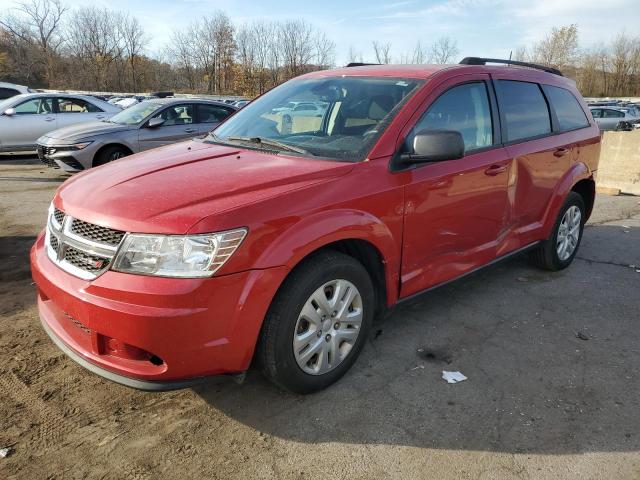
(134, 41)
(444, 50)
(559, 49)
(38, 23)
(355, 56)
(325, 50)
(295, 38)
(381, 52)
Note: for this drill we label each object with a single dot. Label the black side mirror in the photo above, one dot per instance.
(435, 146)
(155, 122)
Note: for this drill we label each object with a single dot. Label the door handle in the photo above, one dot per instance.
(190, 130)
(494, 170)
(49, 119)
(561, 152)
(99, 117)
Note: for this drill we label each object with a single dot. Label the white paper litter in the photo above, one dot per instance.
(4, 452)
(453, 377)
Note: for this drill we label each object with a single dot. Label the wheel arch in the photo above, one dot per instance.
(578, 176)
(355, 233)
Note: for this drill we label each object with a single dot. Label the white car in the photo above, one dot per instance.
(615, 118)
(126, 102)
(24, 118)
(8, 90)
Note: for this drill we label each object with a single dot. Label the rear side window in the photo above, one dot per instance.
(568, 110)
(607, 113)
(525, 110)
(465, 109)
(7, 93)
(212, 113)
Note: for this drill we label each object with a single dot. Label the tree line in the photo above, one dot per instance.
(45, 44)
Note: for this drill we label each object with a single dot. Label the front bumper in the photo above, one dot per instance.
(154, 333)
(67, 160)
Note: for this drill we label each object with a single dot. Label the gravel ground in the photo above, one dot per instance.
(552, 361)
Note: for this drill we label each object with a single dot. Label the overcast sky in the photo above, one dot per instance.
(481, 27)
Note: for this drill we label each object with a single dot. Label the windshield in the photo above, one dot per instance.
(135, 114)
(336, 117)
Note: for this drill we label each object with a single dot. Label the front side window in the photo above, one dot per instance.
(525, 110)
(350, 115)
(596, 112)
(36, 106)
(76, 105)
(464, 109)
(177, 115)
(568, 110)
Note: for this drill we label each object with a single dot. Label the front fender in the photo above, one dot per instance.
(578, 171)
(323, 228)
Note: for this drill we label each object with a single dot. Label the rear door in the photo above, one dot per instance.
(456, 211)
(179, 124)
(32, 119)
(76, 110)
(209, 116)
(542, 155)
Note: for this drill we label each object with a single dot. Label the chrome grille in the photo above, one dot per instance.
(78, 247)
(58, 215)
(85, 261)
(96, 232)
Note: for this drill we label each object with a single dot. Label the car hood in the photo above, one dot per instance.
(170, 189)
(80, 131)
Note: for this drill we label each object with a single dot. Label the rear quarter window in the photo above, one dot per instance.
(568, 110)
(525, 109)
(7, 93)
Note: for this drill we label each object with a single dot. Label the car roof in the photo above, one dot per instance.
(426, 71)
(174, 100)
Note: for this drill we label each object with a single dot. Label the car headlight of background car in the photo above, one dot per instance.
(70, 148)
(177, 255)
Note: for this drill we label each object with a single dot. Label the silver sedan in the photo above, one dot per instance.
(24, 118)
(149, 124)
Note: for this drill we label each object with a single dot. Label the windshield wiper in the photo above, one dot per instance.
(271, 143)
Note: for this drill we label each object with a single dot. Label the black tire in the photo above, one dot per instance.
(546, 256)
(109, 154)
(275, 353)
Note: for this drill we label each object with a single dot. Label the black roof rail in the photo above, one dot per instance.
(360, 64)
(484, 61)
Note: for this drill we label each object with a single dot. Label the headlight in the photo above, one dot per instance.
(177, 255)
(67, 148)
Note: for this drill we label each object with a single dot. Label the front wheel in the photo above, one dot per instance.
(317, 324)
(109, 154)
(559, 250)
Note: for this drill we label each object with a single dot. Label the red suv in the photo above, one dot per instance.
(280, 237)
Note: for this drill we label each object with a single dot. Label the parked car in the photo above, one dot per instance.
(148, 124)
(614, 118)
(241, 103)
(8, 90)
(193, 259)
(26, 117)
(126, 102)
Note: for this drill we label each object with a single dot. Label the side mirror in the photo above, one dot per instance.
(435, 146)
(10, 111)
(155, 122)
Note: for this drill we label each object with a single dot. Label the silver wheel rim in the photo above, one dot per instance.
(115, 156)
(327, 327)
(568, 233)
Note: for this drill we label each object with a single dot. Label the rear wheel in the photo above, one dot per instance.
(558, 251)
(109, 154)
(317, 324)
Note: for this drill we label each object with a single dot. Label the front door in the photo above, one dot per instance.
(179, 124)
(457, 212)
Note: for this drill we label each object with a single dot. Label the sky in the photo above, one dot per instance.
(489, 28)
